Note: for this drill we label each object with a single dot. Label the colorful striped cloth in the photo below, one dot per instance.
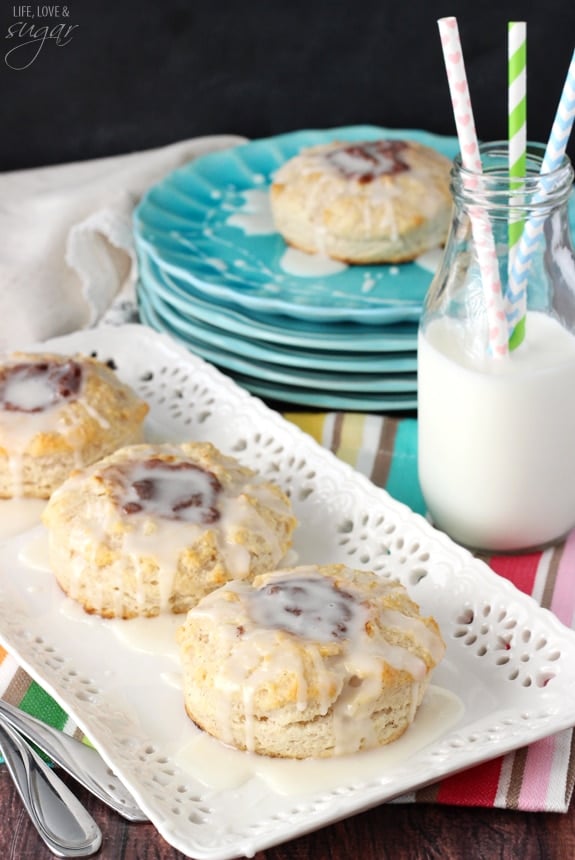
(541, 776)
(537, 778)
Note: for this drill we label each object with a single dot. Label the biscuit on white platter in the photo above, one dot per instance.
(310, 661)
(380, 201)
(58, 413)
(153, 528)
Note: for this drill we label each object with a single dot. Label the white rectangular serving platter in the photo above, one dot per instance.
(509, 662)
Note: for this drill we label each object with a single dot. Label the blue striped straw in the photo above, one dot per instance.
(554, 154)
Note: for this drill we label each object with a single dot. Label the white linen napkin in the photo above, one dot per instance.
(66, 246)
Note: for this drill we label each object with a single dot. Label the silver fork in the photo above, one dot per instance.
(64, 825)
(82, 762)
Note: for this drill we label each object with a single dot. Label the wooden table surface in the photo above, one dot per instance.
(387, 832)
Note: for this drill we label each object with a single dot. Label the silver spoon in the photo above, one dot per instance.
(60, 819)
(82, 762)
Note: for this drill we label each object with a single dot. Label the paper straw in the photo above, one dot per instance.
(533, 229)
(517, 60)
(517, 128)
(471, 160)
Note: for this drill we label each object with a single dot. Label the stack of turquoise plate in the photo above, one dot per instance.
(288, 326)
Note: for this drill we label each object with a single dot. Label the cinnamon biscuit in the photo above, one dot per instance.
(58, 413)
(153, 528)
(379, 201)
(311, 661)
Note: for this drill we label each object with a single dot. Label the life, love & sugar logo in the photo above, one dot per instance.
(32, 28)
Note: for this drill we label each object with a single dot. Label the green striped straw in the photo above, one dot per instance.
(517, 128)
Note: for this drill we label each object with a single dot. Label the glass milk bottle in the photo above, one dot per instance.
(497, 433)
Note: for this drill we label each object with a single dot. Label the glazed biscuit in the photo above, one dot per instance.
(380, 201)
(154, 528)
(310, 661)
(58, 413)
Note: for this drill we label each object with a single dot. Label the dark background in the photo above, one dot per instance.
(138, 73)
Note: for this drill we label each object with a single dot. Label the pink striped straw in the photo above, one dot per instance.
(471, 160)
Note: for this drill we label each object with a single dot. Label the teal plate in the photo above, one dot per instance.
(296, 379)
(206, 224)
(284, 394)
(342, 400)
(279, 329)
(213, 337)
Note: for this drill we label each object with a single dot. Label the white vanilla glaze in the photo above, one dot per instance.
(304, 265)
(222, 768)
(255, 216)
(28, 393)
(364, 160)
(147, 635)
(430, 260)
(310, 607)
(35, 553)
(18, 515)
(157, 489)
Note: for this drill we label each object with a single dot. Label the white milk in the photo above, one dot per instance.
(497, 438)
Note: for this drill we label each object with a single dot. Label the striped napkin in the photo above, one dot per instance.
(541, 776)
(537, 778)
